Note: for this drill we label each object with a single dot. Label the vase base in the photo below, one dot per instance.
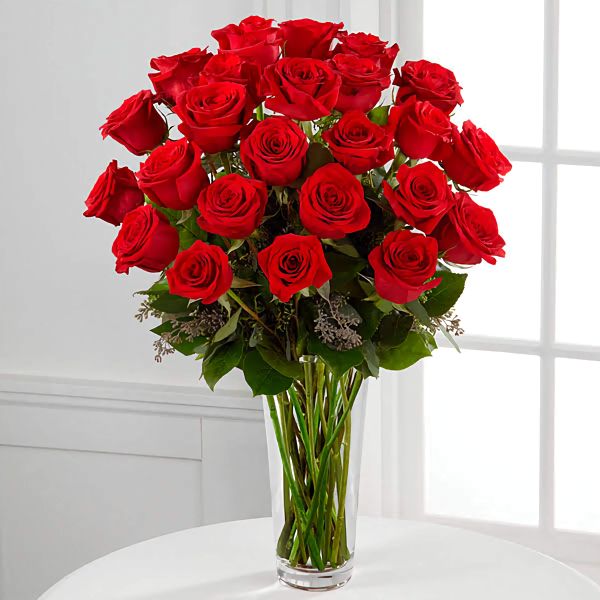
(313, 580)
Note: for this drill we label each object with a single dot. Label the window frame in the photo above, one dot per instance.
(403, 398)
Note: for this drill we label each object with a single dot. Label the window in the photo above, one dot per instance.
(507, 431)
(503, 438)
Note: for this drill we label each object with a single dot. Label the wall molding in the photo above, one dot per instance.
(114, 417)
(90, 394)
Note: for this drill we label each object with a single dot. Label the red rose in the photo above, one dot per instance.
(136, 124)
(254, 39)
(367, 45)
(469, 233)
(114, 194)
(177, 73)
(473, 159)
(275, 151)
(332, 203)
(301, 88)
(363, 80)
(420, 128)
(172, 175)
(428, 81)
(422, 197)
(307, 38)
(358, 143)
(200, 272)
(293, 263)
(213, 115)
(146, 240)
(232, 206)
(402, 265)
(230, 67)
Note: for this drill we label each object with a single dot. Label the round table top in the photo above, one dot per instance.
(394, 559)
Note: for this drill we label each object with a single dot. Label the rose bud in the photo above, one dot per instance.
(230, 67)
(363, 80)
(177, 73)
(213, 115)
(332, 203)
(254, 39)
(172, 176)
(301, 88)
(468, 234)
(202, 272)
(420, 129)
(136, 124)
(367, 45)
(422, 197)
(275, 151)
(307, 38)
(114, 194)
(359, 144)
(146, 240)
(232, 206)
(473, 159)
(293, 263)
(429, 82)
(403, 264)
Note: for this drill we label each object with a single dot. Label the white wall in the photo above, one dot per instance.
(88, 464)
(101, 447)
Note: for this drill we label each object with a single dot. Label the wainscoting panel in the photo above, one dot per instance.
(89, 467)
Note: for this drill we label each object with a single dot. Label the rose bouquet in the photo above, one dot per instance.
(306, 224)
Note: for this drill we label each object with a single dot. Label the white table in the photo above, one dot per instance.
(394, 560)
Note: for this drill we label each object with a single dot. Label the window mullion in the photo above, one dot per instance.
(548, 289)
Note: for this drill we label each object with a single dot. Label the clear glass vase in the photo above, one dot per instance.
(314, 437)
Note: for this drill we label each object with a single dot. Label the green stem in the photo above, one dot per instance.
(297, 500)
(225, 162)
(252, 313)
(344, 482)
(325, 453)
(399, 158)
(260, 112)
(304, 433)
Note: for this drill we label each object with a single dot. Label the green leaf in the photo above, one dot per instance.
(316, 157)
(370, 354)
(229, 327)
(170, 304)
(220, 359)
(371, 317)
(184, 216)
(344, 246)
(415, 347)
(189, 347)
(379, 115)
(444, 296)
(238, 283)
(417, 309)
(185, 347)
(162, 285)
(338, 362)
(324, 290)
(186, 239)
(235, 244)
(450, 338)
(393, 330)
(162, 328)
(343, 267)
(280, 363)
(262, 377)
(385, 306)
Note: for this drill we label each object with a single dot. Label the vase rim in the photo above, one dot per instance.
(308, 358)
